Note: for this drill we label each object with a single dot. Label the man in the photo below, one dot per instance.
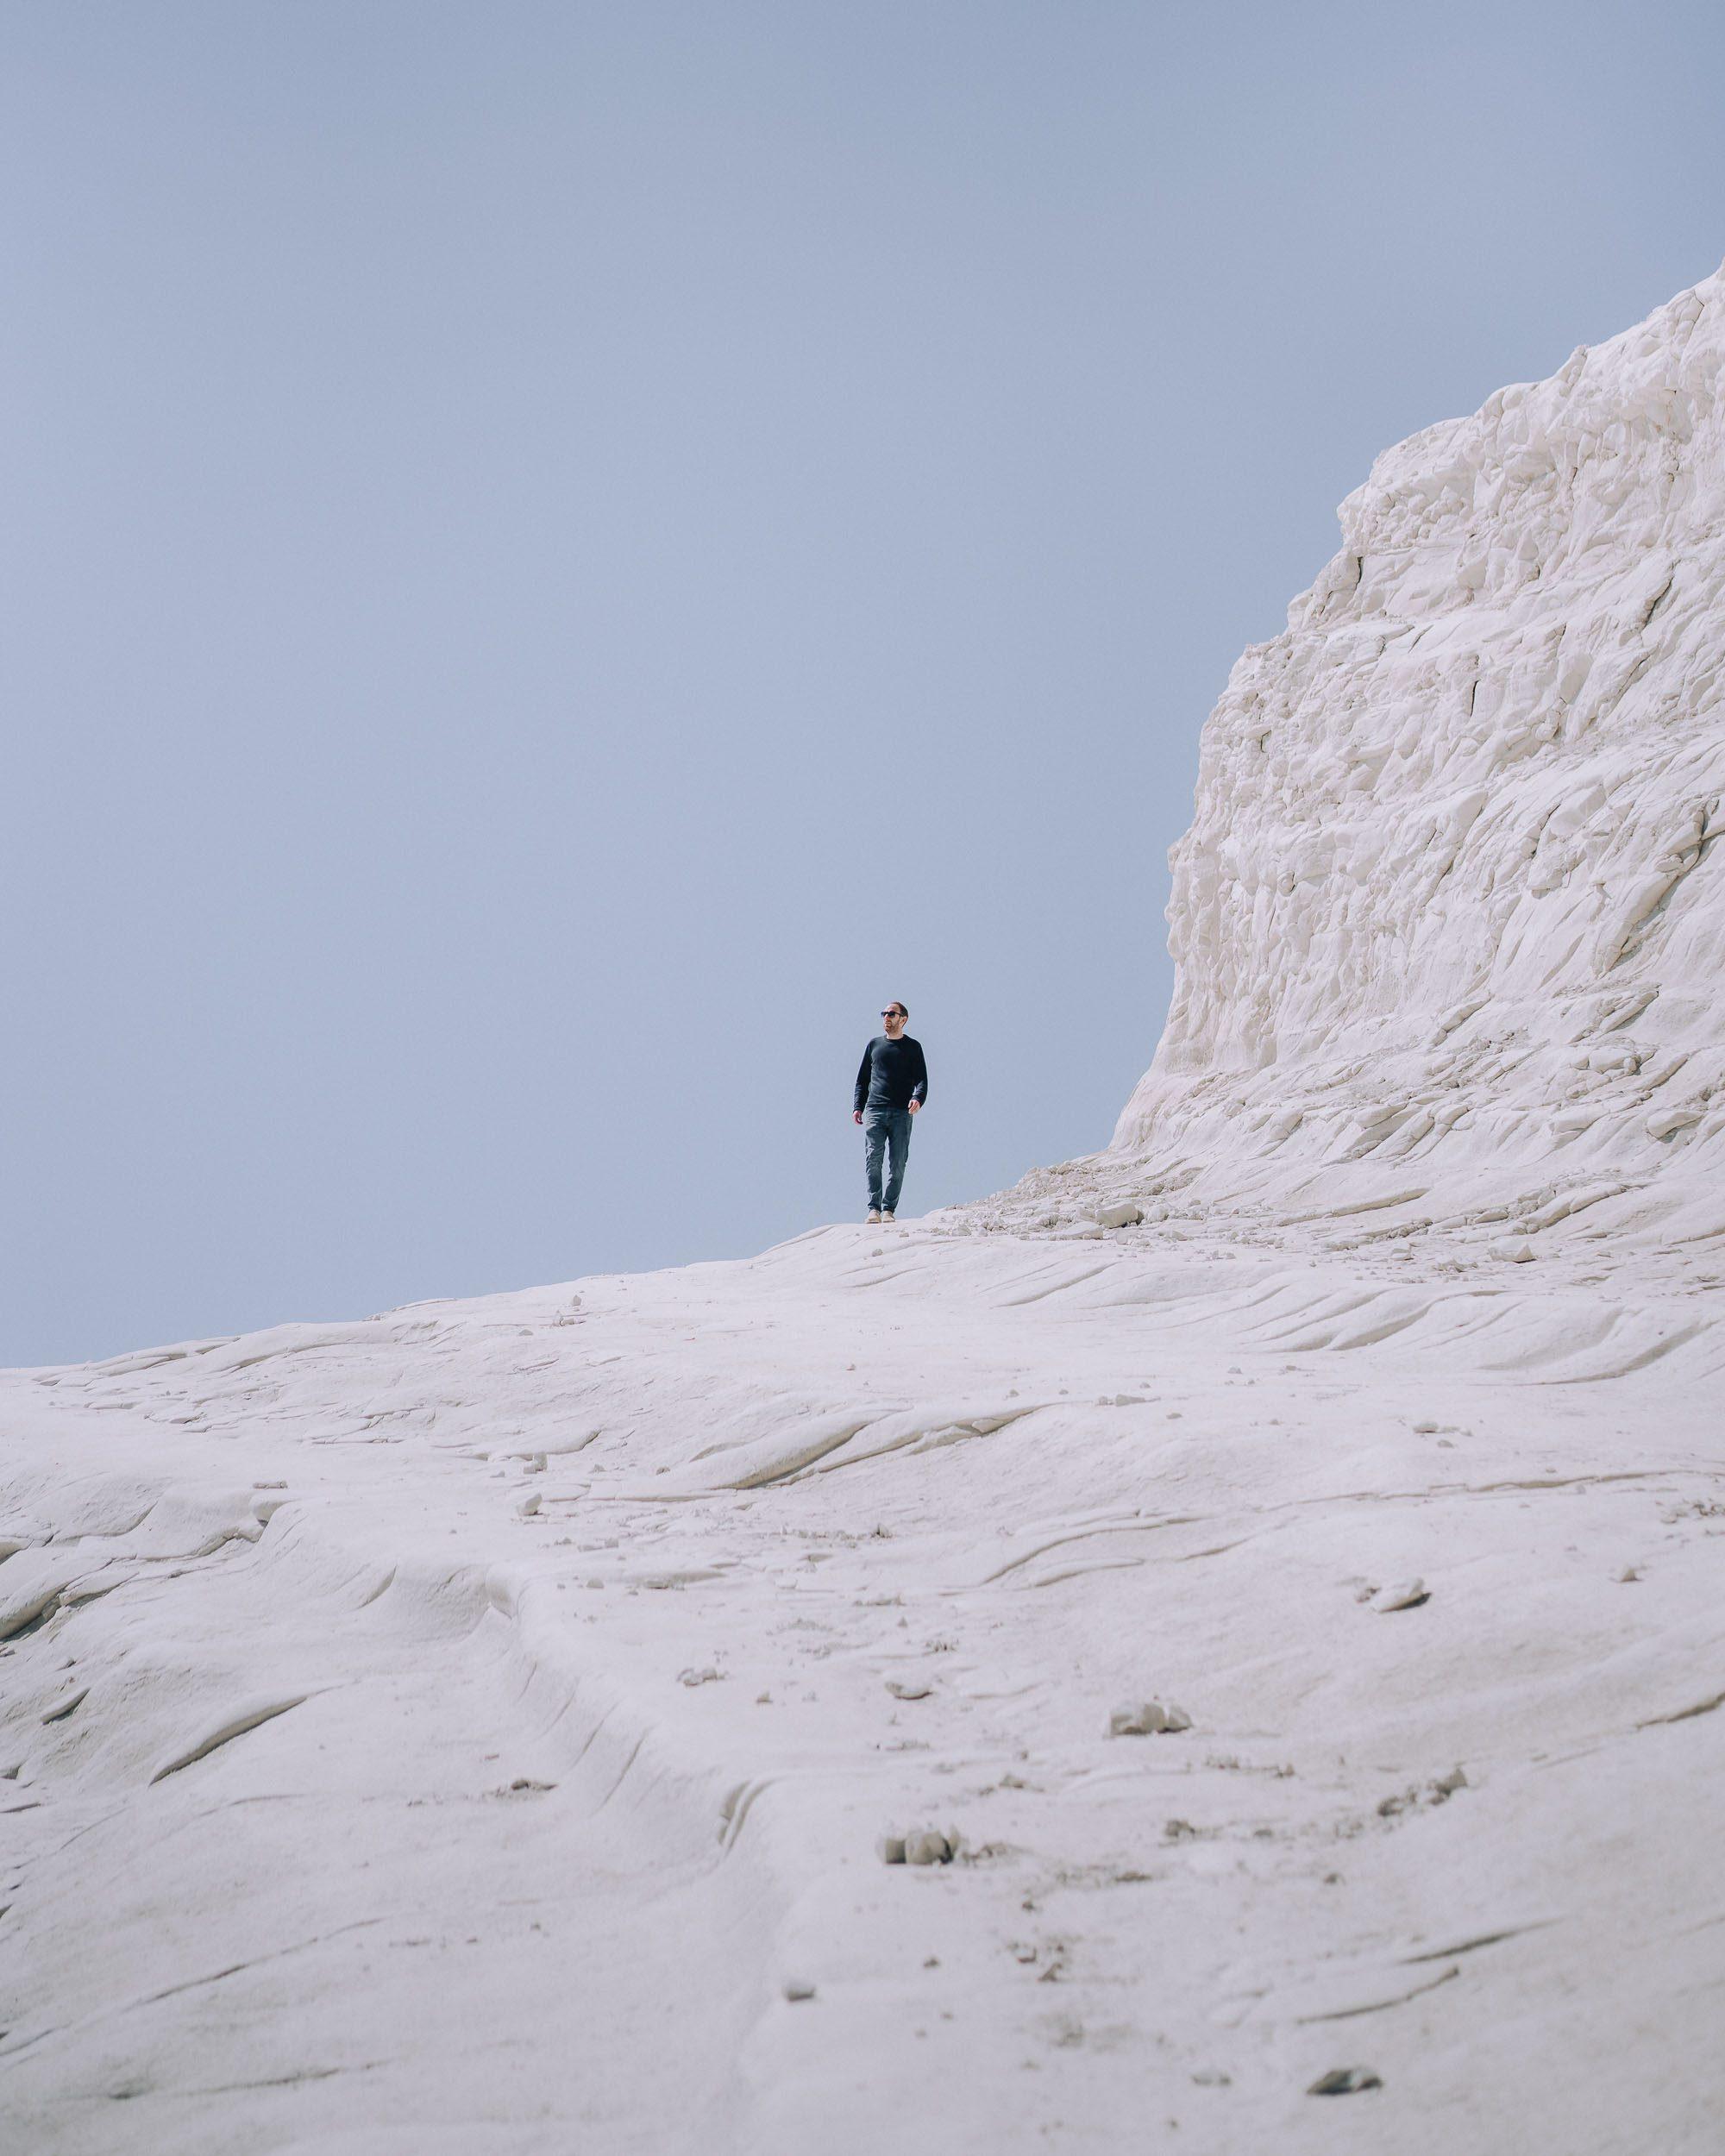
(891, 1088)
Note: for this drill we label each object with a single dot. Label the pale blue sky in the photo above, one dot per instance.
(558, 556)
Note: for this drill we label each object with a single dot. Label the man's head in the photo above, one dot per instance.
(893, 1018)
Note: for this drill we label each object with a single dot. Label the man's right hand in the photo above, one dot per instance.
(856, 1115)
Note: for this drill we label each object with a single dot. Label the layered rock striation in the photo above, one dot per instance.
(1449, 902)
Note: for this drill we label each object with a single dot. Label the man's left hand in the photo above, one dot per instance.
(915, 1105)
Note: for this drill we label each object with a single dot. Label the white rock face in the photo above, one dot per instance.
(1449, 899)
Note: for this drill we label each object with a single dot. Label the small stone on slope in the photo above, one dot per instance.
(1151, 1719)
(1345, 2081)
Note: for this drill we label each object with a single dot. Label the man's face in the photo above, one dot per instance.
(893, 1019)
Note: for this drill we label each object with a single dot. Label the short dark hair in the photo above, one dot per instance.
(900, 1009)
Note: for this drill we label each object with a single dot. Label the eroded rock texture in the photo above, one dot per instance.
(1450, 902)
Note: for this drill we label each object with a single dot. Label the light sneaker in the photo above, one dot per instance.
(873, 1218)
(886, 1219)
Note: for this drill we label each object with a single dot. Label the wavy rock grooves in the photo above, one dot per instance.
(477, 1728)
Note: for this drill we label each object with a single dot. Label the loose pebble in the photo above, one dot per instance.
(1151, 1719)
(1406, 1595)
(1345, 2081)
(923, 1846)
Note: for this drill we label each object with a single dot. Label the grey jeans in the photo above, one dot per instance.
(885, 1130)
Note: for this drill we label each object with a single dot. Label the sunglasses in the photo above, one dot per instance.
(892, 1014)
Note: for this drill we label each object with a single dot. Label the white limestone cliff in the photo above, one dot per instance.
(1448, 903)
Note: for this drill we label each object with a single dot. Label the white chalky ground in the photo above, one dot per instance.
(550, 1811)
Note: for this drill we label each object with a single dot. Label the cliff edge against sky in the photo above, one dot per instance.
(1448, 905)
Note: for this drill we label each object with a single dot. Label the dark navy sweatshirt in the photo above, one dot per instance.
(893, 1075)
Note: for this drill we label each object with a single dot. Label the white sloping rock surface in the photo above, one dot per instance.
(472, 1729)
(345, 1798)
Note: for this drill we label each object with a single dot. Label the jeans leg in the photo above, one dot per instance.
(873, 1145)
(899, 1131)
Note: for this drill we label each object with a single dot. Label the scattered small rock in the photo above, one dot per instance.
(1151, 1719)
(1406, 1595)
(1630, 1573)
(795, 1989)
(1213, 2078)
(921, 1845)
(1125, 1214)
(692, 1677)
(1436, 1792)
(529, 1506)
(1345, 2081)
(913, 1690)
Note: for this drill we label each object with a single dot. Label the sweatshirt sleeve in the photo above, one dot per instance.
(920, 1090)
(862, 1092)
